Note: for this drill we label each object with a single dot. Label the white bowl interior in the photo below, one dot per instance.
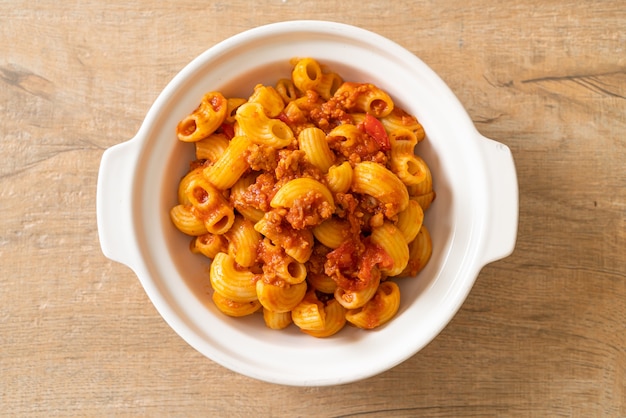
(178, 280)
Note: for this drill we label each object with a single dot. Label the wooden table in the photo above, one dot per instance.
(543, 332)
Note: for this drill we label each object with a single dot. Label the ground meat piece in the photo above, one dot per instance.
(330, 114)
(355, 264)
(363, 212)
(271, 257)
(326, 120)
(310, 101)
(281, 233)
(362, 148)
(309, 210)
(295, 120)
(260, 193)
(374, 258)
(346, 208)
(293, 164)
(297, 114)
(289, 163)
(261, 157)
(380, 158)
(315, 264)
(342, 262)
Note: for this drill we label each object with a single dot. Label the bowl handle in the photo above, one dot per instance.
(503, 205)
(114, 202)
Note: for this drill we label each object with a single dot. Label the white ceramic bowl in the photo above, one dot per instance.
(472, 222)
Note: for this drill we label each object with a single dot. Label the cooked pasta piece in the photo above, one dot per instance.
(298, 188)
(328, 85)
(209, 245)
(183, 218)
(237, 198)
(309, 314)
(423, 192)
(212, 147)
(404, 163)
(230, 166)
(230, 281)
(399, 119)
(306, 74)
(405, 138)
(332, 232)
(291, 271)
(243, 241)
(205, 120)
(393, 242)
(276, 320)
(233, 105)
(296, 243)
(410, 220)
(278, 266)
(379, 182)
(313, 142)
(334, 320)
(350, 132)
(339, 177)
(269, 98)
(287, 90)
(379, 310)
(366, 97)
(424, 200)
(420, 251)
(352, 299)
(322, 282)
(209, 205)
(254, 124)
(232, 308)
(293, 112)
(184, 184)
(280, 298)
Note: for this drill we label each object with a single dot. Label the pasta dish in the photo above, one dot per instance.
(309, 199)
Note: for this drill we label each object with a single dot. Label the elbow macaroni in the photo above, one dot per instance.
(313, 142)
(393, 242)
(297, 188)
(306, 74)
(309, 199)
(339, 177)
(378, 310)
(243, 242)
(254, 124)
(229, 167)
(379, 182)
(209, 115)
(231, 282)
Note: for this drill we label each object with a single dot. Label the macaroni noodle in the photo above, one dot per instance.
(309, 199)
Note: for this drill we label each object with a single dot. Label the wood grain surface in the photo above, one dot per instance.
(543, 332)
